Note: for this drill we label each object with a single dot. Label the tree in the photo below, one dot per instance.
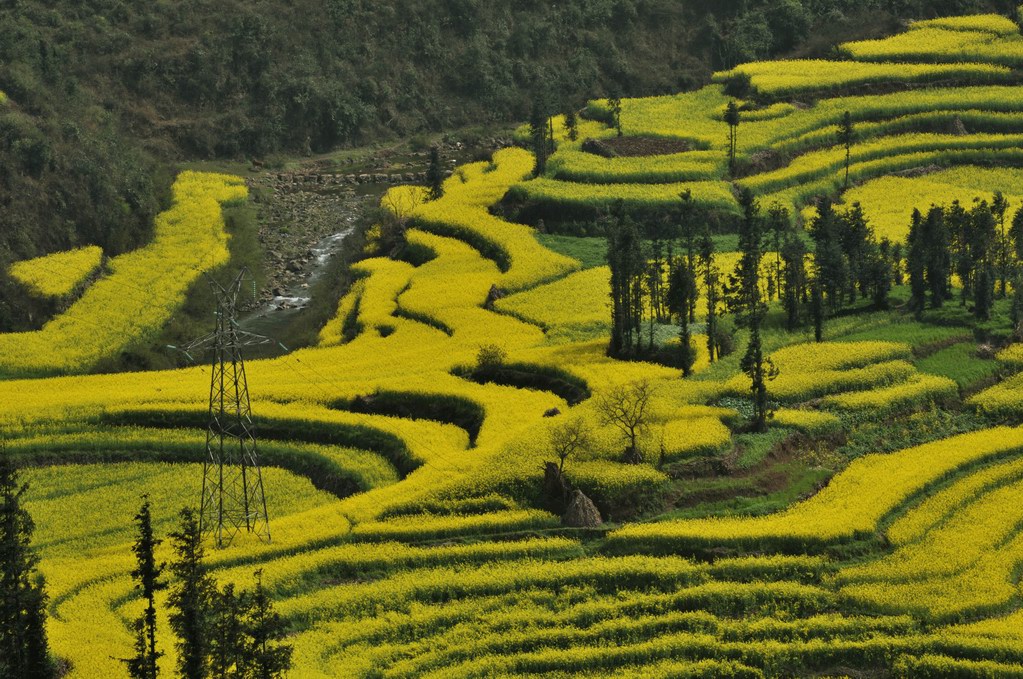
(732, 118)
(398, 209)
(435, 174)
(567, 439)
(625, 408)
(916, 263)
(147, 579)
(682, 294)
(191, 599)
(571, 124)
(999, 206)
(778, 226)
(539, 131)
(848, 136)
(614, 104)
(817, 306)
(1016, 245)
(757, 367)
(710, 283)
(226, 640)
(983, 239)
(690, 227)
(938, 263)
(266, 657)
(959, 228)
(24, 648)
(832, 271)
(793, 276)
(627, 263)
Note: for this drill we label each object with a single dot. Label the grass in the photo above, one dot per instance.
(961, 363)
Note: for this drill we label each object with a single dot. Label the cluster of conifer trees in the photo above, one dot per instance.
(975, 246)
(221, 633)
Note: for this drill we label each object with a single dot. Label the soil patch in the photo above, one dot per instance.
(635, 146)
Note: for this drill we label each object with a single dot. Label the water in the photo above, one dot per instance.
(272, 318)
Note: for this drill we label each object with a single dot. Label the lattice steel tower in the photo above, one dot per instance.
(232, 486)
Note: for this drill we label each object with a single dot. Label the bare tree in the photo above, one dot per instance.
(399, 207)
(568, 439)
(625, 407)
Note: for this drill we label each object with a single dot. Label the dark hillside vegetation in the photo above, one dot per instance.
(105, 94)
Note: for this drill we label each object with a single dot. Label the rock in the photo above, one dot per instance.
(581, 512)
(598, 148)
(380, 178)
(365, 178)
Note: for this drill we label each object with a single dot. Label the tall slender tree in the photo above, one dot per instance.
(829, 262)
(848, 135)
(191, 599)
(939, 260)
(571, 124)
(916, 263)
(24, 648)
(732, 119)
(435, 174)
(146, 574)
(226, 635)
(266, 654)
(793, 277)
(1003, 251)
(539, 131)
(614, 104)
(754, 363)
(627, 264)
(711, 285)
(817, 305)
(682, 291)
(984, 238)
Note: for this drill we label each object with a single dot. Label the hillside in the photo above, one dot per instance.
(102, 96)
(871, 528)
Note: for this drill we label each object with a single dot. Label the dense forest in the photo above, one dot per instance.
(103, 95)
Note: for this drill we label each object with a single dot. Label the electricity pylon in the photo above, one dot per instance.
(232, 486)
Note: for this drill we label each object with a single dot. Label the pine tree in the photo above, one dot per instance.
(938, 262)
(732, 119)
(681, 292)
(959, 228)
(266, 657)
(435, 174)
(226, 639)
(779, 225)
(627, 263)
(538, 133)
(191, 599)
(817, 306)
(1015, 240)
(24, 648)
(983, 239)
(147, 577)
(793, 255)
(848, 134)
(999, 206)
(710, 283)
(829, 260)
(916, 264)
(571, 124)
(758, 367)
(614, 104)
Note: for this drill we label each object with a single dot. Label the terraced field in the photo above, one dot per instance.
(415, 542)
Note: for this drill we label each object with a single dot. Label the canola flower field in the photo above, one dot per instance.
(412, 546)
